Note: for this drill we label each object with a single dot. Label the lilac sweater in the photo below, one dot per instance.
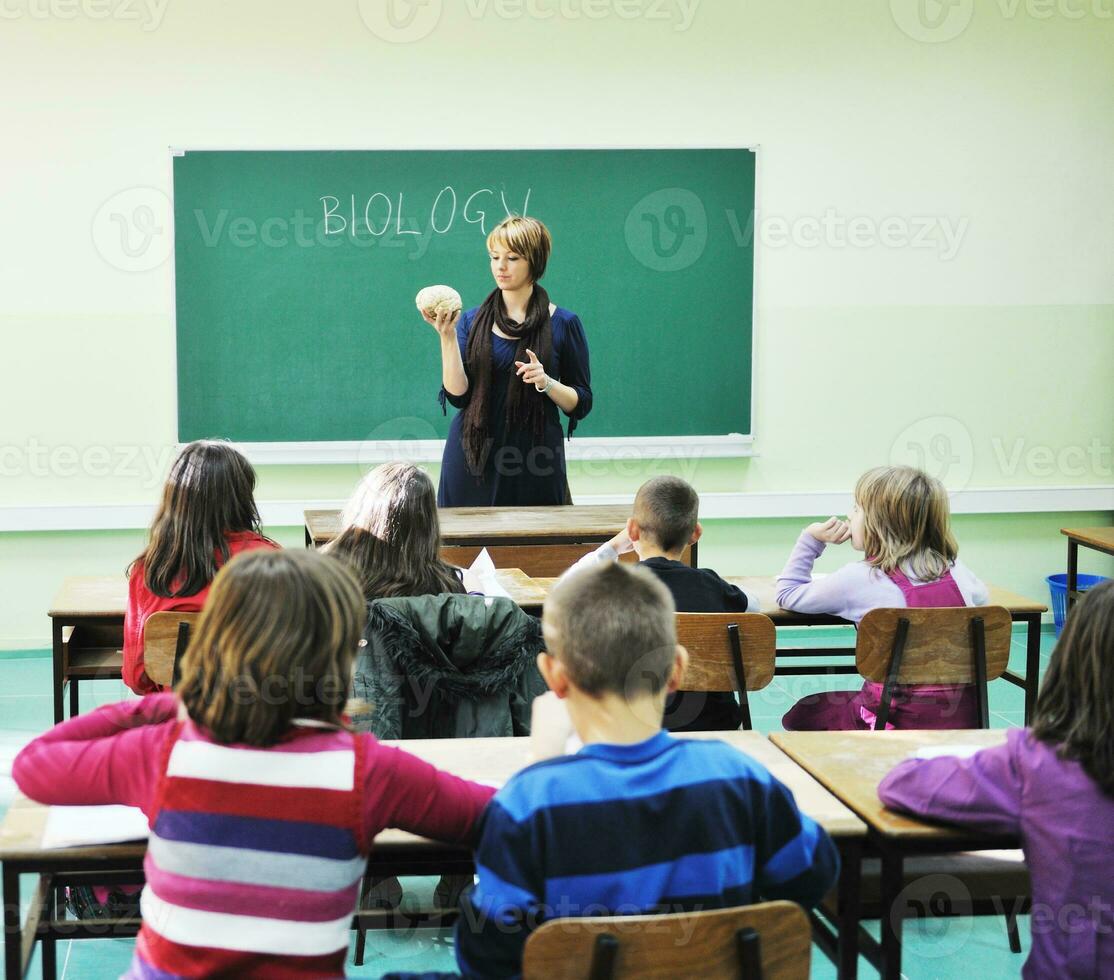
(855, 589)
(1066, 826)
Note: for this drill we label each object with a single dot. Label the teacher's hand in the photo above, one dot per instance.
(532, 371)
(444, 323)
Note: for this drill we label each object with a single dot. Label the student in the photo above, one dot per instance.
(900, 520)
(390, 535)
(391, 538)
(1053, 786)
(207, 514)
(262, 803)
(637, 821)
(663, 524)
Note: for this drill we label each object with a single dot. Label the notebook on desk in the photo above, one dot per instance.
(80, 826)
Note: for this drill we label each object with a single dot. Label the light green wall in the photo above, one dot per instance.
(1013, 551)
(988, 352)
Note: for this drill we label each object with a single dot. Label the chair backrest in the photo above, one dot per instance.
(537, 561)
(165, 637)
(728, 652)
(771, 941)
(946, 645)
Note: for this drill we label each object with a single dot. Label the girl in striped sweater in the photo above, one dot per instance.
(262, 804)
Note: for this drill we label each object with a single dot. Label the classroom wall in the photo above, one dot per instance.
(932, 274)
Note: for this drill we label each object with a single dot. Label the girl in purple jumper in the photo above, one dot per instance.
(1053, 786)
(901, 521)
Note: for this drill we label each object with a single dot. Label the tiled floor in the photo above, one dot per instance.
(938, 948)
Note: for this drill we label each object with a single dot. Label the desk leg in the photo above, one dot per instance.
(59, 673)
(1032, 664)
(50, 958)
(74, 709)
(850, 875)
(13, 934)
(891, 915)
(309, 538)
(1073, 574)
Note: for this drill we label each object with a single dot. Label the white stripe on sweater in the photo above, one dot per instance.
(242, 933)
(334, 769)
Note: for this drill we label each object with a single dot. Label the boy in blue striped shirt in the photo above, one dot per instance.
(638, 820)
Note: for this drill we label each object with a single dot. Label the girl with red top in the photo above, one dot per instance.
(262, 803)
(207, 514)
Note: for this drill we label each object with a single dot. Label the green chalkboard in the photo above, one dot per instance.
(296, 271)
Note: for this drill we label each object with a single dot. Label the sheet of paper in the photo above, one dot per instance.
(480, 577)
(936, 751)
(75, 826)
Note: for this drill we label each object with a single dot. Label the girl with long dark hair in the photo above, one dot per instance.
(206, 515)
(1052, 785)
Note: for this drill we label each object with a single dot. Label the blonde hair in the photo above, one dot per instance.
(906, 522)
(527, 237)
(276, 641)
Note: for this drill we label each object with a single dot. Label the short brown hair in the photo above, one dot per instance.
(1075, 707)
(667, 509)
(276, 641)
(613, 628)
(906, 521)
(527, 237)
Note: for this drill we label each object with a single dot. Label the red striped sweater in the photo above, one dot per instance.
(255, 855)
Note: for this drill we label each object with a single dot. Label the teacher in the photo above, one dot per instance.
(508, 365)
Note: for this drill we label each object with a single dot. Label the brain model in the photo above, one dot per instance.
(438, 299)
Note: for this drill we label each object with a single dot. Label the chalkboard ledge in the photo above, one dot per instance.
(599, 449)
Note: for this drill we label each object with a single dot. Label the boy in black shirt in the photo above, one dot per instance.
(663, 524)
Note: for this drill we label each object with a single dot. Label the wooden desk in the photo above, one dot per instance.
(88, 628)
(540, 540)
(851, 765)
(1096, 538)
(395, 852)
(87, 620)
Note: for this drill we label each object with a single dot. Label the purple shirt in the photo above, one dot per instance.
(1066, 826)
(856, 588)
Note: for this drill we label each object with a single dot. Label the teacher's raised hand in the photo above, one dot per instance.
(532, 371)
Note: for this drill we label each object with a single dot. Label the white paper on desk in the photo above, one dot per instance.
(938, 751)
(480, 577)
(75, 826)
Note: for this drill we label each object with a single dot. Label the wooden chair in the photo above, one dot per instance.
(770, 941)
(948, 645)
(165, 638)
(731, 652)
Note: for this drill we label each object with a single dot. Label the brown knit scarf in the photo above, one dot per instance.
(525, 404)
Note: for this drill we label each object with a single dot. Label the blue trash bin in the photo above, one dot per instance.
(1058, 586)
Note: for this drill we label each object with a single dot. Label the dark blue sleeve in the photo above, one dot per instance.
(459, 401)
(734, 598)
(498, 912)
(576, 371)
(795, 858)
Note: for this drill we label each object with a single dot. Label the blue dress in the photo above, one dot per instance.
(520, 471)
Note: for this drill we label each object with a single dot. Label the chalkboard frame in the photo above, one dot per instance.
(582, 447)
